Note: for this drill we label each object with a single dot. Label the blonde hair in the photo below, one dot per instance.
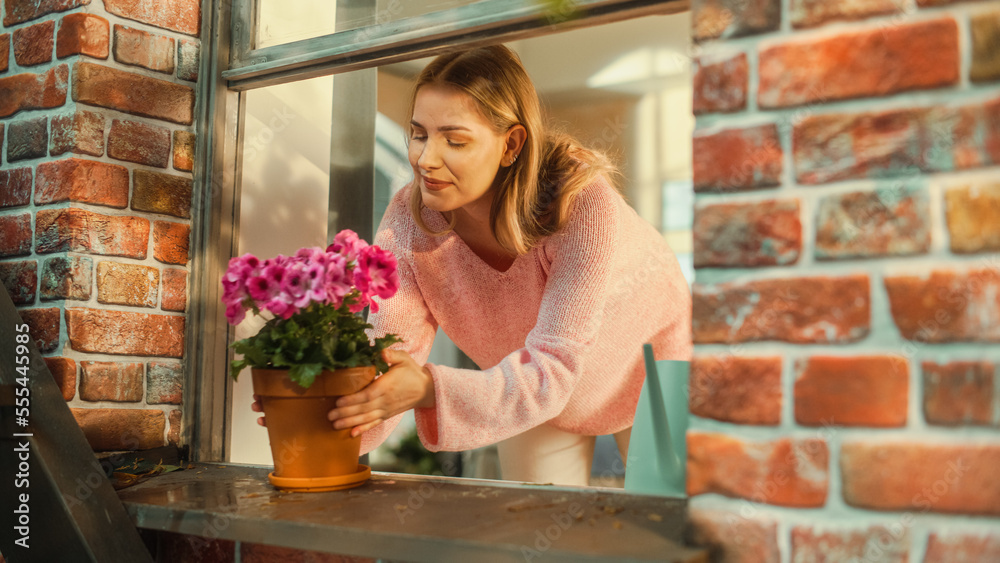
(535, 194)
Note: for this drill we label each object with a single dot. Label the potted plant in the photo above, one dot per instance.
(312, 350)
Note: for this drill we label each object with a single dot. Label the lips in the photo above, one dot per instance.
(433, 184)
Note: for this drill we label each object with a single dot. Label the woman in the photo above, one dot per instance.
(514, 242)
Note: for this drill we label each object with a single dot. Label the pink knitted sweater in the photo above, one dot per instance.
(558, 336)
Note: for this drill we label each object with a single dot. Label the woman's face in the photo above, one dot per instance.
(454, 151)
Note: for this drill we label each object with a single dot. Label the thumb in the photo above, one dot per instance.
(393, 356)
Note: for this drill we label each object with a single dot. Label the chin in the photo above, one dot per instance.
(434, 201)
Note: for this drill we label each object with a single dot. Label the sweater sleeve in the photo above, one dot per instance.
(533, 384)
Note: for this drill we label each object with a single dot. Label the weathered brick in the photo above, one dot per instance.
(260, 553)
(121, 429)
(126, 333)
(18, 11)
(85, 181)
(720, 85)
(736, 389)
(15, 235)
(851, 65)
(27, 91)
(194, 549)
(15, 186)
(27, 138)
(947, 306)
(797, 310)
(79, 230)
(181, 15)
(174, 297)
(876, 543)
(188, 59)
(20, 279)
(810, 13)
(80, 132)
(33, 44)
(138, 142)
(162, 193)
(111, 88)
(764, 233)
(959, 393)
(63, 370)
(141, 48)
(737, 159)
(183, 150)
(127, 284)
(985, 30)
(43, 326)
(782, 472)
(111, 381)
(851, 391)
(170, 242)
(733, 18)
(955, 547)
(83, 34)
(886, 222)
(174, 434)
(164, 383)
(974, 218)
(4, 51)
(962, 137)
(67, 277)
(732, 538)
(952, 478)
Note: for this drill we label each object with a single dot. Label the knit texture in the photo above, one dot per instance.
(557, 337)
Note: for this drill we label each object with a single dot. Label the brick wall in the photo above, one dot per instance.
(97, 102)
(846, 384)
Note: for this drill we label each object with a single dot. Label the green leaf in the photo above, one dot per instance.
(305, 374)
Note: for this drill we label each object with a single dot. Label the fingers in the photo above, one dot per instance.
(358, 430)
(261, 421)
(393, 356)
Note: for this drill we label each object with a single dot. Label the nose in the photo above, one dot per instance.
(430, 157)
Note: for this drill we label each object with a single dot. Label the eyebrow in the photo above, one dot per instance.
(445, 128)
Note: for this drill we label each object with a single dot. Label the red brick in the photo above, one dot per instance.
(28, 138)
(188, 59)
(852, 391)
(127, 284)
(259, 553)
(183, 150)
(79, 230)
(20, 279)
(953, 548)
(799, 310)
(961, 137)
(974, 218)
(733, 18)
(736, 389)
(952, 478)
(720, 85)
(888, 222)
(810, 13)
(959, 393)
(141, 48)
(782, 472)
(876, 543)
(27, 91)
(81, 132)
(164, 383)
(162, 193)
(737, 159)
(67, 277)
(947, 306)
(734, 538)
(43, 326)
(4, 51)
(86, 181)
(180, 15)
(174, 290)
(17, 11)
(920, 55)
(15, 186)
(174, 434)
(763, 233)
(63, 370)
(138, 142)
(33, 44)
(110, 381)
(83, 34)
(170, 242)
(985, 29)
(15, 235)
(121, 429)
(125, 333)
(111, 88)
(195, 549)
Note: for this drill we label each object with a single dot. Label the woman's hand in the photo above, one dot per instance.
(258, 406)
(406, 385)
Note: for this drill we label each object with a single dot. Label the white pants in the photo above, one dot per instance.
(547, 455)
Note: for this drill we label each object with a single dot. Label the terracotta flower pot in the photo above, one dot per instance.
(309, 455)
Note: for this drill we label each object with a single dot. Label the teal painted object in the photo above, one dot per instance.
(657, 450)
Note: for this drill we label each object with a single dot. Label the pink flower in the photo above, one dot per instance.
(376, 273)
(295, 285)
(348, 244)
(235, 312)
(280, 307)
(337, 281)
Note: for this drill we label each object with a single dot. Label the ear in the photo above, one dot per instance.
(514, 142)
